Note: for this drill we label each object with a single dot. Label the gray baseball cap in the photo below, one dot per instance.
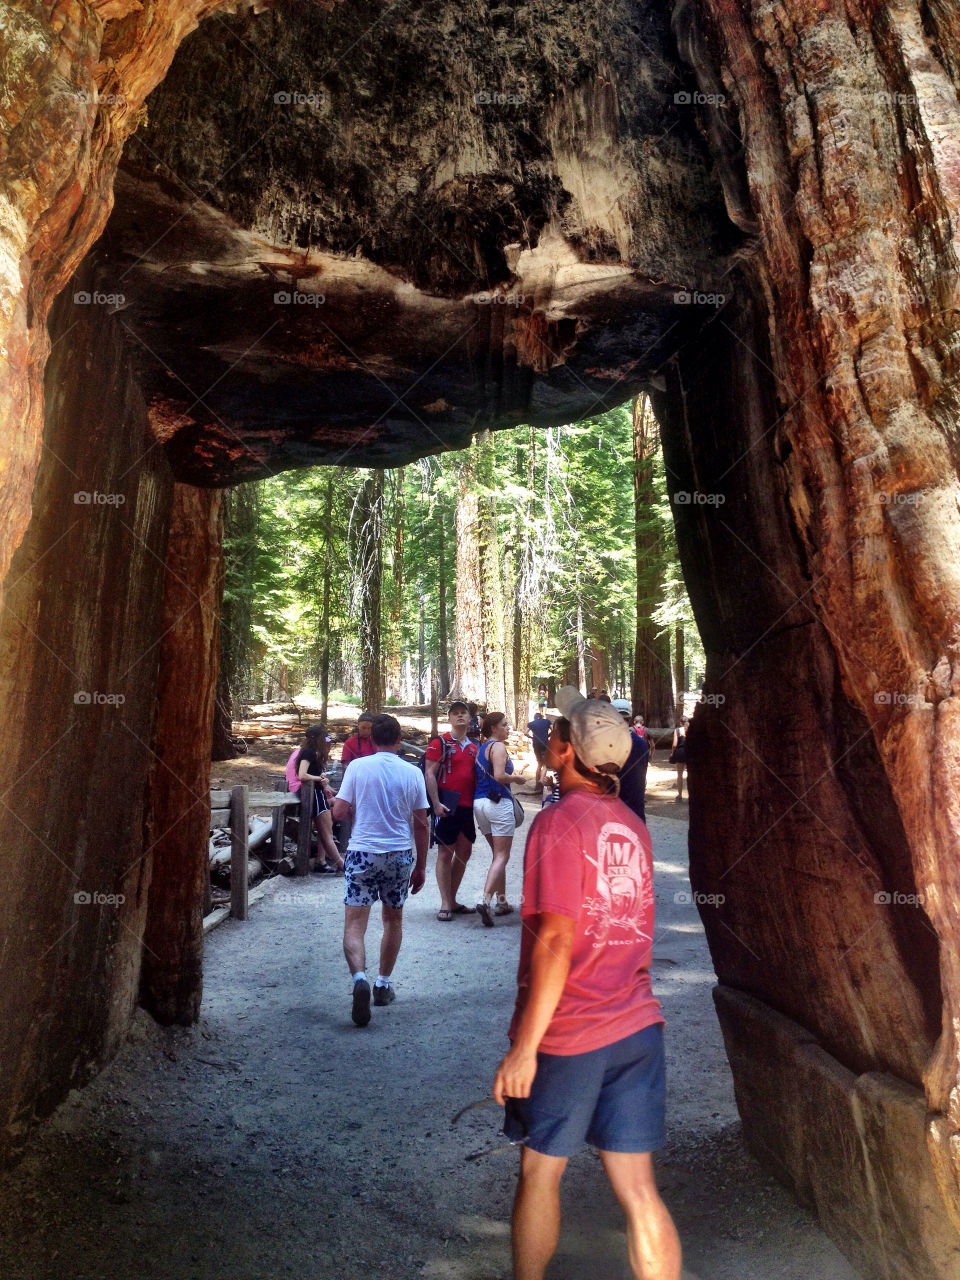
(597, 731)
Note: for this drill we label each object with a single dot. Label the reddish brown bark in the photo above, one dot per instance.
(172, 976)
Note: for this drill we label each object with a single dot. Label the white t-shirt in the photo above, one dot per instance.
(384, 791)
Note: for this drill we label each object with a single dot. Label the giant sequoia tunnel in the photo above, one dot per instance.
(242, 239)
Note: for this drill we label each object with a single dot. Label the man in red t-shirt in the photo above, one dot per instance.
(451, 768)
(360, 743)
(586, 1058)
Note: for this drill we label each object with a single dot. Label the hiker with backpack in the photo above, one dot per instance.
(450, 775)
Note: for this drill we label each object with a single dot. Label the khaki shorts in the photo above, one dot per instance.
(494, 819)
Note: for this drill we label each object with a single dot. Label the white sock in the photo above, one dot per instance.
(360, 974)
(382, 981)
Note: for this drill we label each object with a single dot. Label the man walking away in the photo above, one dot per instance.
(538, 731)
(633, 775)
(381, 793)
(451, 766)
(586, 1058)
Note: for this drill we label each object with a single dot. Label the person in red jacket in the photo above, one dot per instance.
(586, 1058)
(360, 743)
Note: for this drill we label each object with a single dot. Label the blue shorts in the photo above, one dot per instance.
(612, 1098)
(372, 876)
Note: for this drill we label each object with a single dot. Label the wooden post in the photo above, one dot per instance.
(276, 831)
(302, 867)
(238, 853)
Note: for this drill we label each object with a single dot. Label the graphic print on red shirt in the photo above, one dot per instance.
(589, 857)
(462, 774)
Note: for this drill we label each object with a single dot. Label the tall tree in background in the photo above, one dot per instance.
(652, 683)
(240, 521)
(368, 585)
(491, 582)
(324, 633)
(396, 648)
(470, 680)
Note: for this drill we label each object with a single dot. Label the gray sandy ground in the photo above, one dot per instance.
(275, 1139)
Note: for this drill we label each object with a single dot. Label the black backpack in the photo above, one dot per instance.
(447, 749)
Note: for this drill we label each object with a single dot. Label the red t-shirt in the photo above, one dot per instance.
(462, 773)
(589, 857)
(355, 747)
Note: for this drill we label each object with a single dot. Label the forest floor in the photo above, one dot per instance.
(275, 1139)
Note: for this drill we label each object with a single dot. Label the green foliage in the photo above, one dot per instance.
(564, 501)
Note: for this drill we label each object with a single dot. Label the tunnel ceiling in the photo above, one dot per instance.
(338, 241)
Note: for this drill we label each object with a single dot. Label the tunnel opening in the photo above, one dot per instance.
(713, 211)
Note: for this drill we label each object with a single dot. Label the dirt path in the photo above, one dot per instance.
(275, 1139)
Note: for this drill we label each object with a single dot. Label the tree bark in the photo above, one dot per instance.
(325, 605)
(491, 599)
(171, 980)
(370, 578)
(470, 680)
(442, 562)
(652, 678)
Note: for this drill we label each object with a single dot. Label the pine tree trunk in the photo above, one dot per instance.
(441, 560)
(652, 681)
(395, 650)
(325, 606)
(370, 579)
(470, 681)
(491, 585)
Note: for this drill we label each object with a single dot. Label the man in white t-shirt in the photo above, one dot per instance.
(381, 794)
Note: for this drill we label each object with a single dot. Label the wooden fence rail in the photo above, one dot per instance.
(231, 809)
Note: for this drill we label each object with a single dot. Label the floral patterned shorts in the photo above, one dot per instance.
(373, 876)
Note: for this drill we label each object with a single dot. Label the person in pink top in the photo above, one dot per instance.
(586, 1057)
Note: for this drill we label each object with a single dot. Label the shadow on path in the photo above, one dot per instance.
(275, 1139)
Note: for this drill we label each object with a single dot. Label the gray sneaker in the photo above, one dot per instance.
(383, 995)
(361, 1002)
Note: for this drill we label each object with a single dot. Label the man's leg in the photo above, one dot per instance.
(354, 927)
(392, 937)
(536, 1213)
(652, 1242)
(444, 877)
(461, 856)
